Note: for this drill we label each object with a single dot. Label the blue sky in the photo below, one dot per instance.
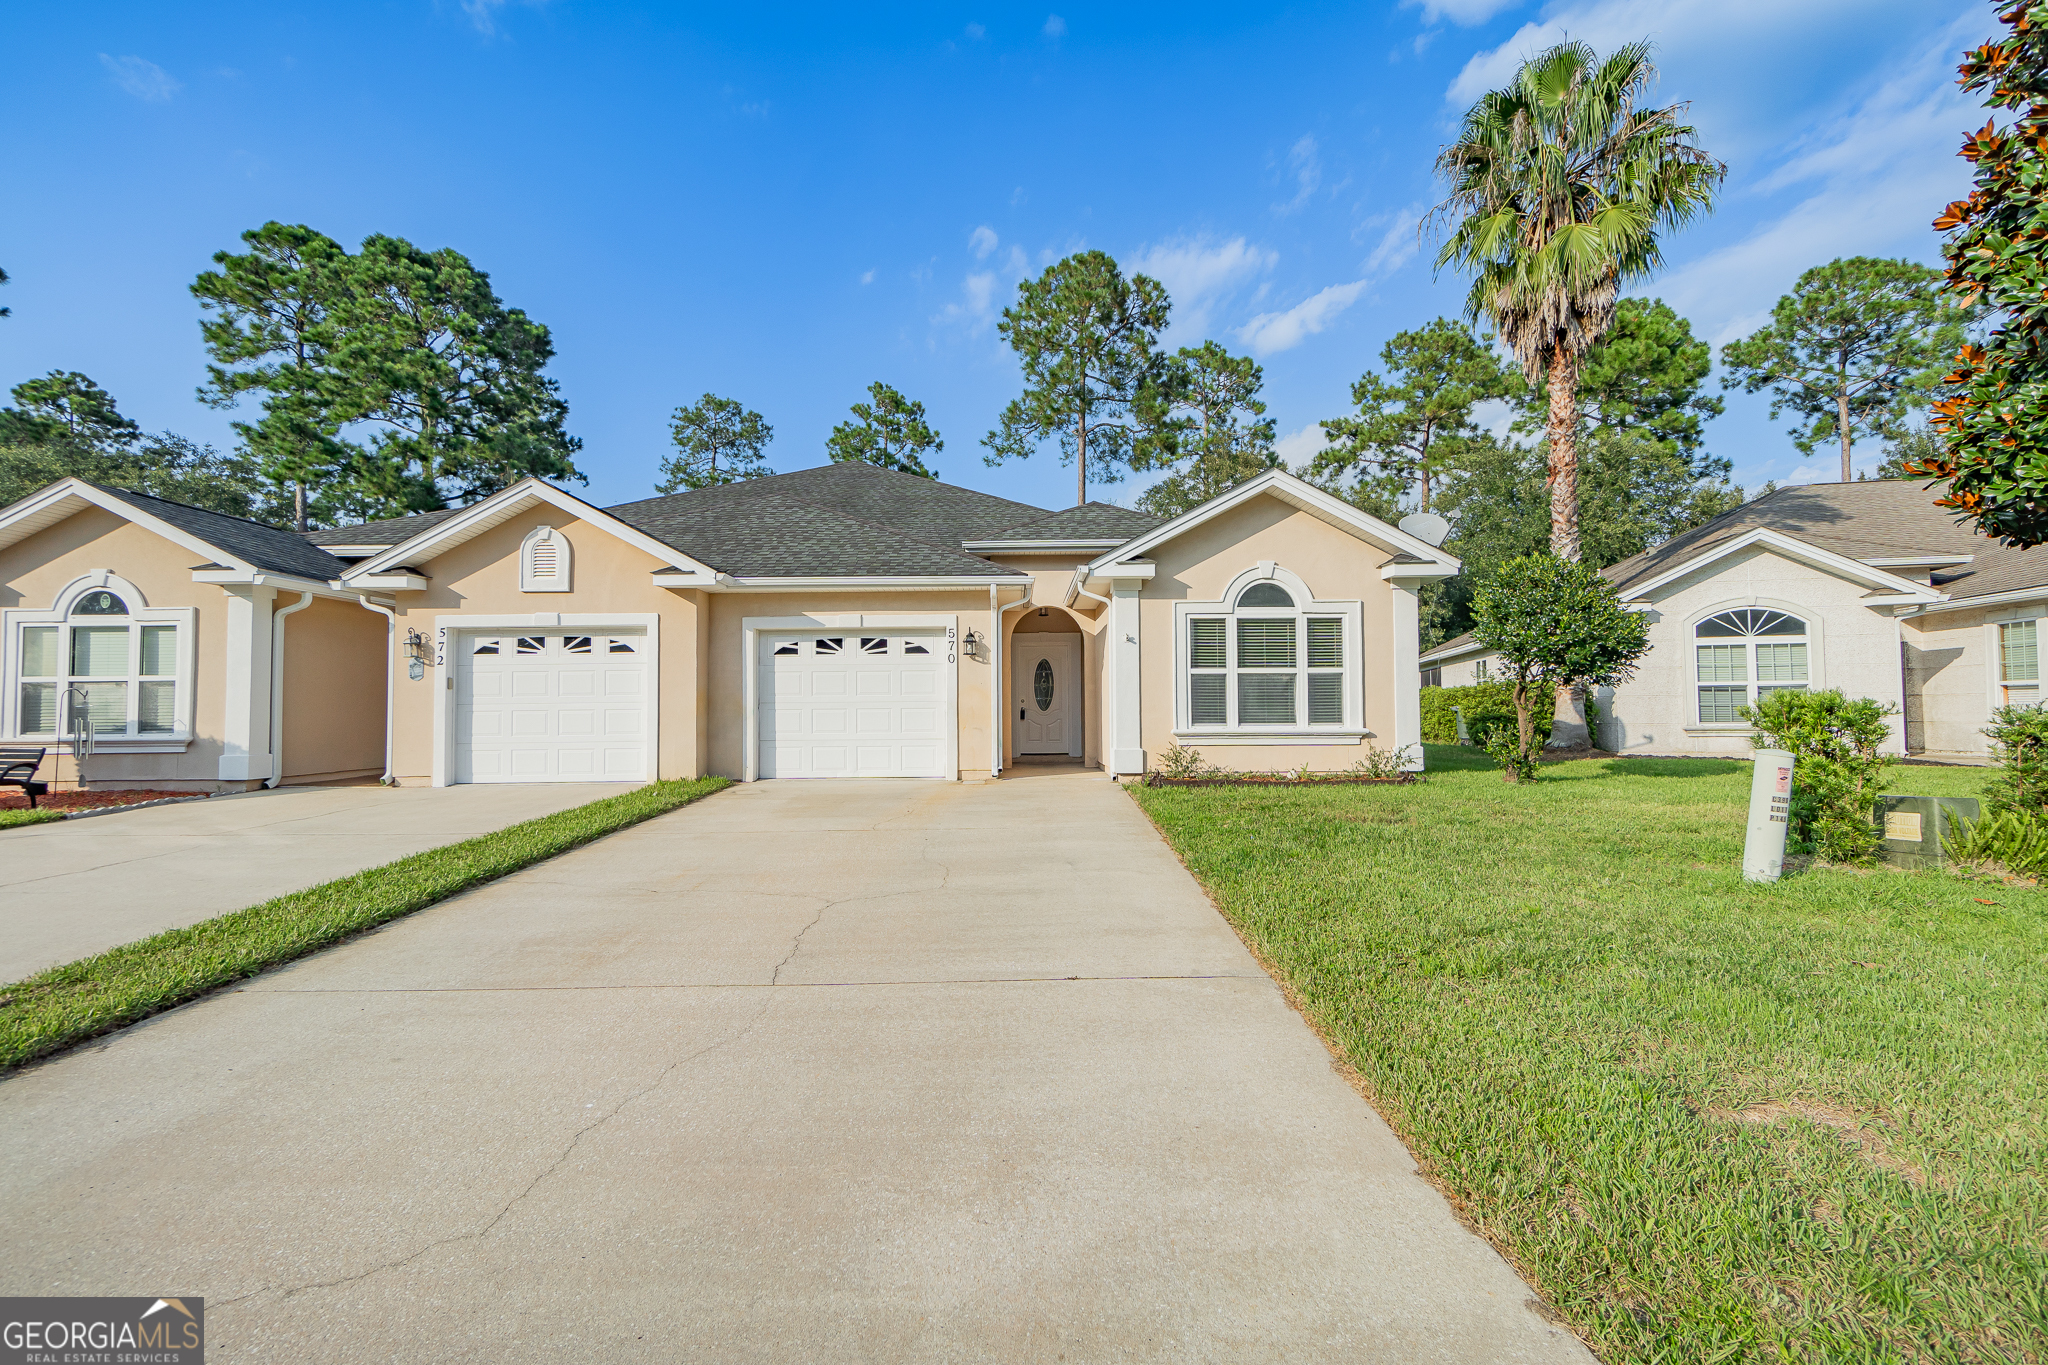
(785, 204)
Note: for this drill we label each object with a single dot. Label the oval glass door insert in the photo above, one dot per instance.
(1041, 684)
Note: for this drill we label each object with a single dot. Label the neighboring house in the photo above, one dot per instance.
(1866, 587)
(845, 621)
(208, 652)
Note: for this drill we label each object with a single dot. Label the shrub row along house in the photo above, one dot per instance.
(845, 621)
(1864, 587)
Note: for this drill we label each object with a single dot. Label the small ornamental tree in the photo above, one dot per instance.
(1993, 421)
(1554, 622)
(2019, 741)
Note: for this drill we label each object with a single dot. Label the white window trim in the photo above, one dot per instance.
(752, 628)
(59, 614)
(449, 631)
(565, 561)
(1816, 660)
(1994, 659)
(1350, 731)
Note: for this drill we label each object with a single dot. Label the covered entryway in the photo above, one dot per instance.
(551, 707)
(853, 705)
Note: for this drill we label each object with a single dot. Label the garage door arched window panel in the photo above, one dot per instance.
(102, 648)
(1743, 655)
(1269, 660)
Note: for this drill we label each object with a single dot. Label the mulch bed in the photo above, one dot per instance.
(15, 799)
(1267, 780)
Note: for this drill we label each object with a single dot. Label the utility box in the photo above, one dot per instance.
(1914, 827)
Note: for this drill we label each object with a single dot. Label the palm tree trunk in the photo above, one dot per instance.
(1564, 454)
(1568, 729)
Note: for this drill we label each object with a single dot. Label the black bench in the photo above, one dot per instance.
(18, 769)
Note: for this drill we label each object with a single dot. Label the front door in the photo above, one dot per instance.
(1046, 688)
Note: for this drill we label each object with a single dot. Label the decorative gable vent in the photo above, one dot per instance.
(544, 559)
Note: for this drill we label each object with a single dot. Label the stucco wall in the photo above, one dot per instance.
(480, 577)
(333, 691)
(1337, 566)
(34, 570)
(1852, 646)
(1462, 672)
(1952, 664)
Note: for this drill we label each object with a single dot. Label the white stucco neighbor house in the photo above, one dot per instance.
(1866, 587)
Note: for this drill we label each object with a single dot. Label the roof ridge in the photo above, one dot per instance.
(889, 530)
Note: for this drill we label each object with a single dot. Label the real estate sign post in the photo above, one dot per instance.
(1770, 815)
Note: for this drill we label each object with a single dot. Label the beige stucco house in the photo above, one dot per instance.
(1866, 587)
(845, 621)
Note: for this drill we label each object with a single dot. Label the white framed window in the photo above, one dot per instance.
(545, 559)
(1269, 660)
(101, 650)
(1744, 654)
(2019, 663)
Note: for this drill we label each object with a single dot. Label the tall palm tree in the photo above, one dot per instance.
(1559, 185)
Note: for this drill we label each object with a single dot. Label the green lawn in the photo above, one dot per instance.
(66, 1004)
(1710, 1121)
(10, 818)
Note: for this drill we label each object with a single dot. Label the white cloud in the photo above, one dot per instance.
(1398, 245)
(1271, 332)
(982, 241)
(143, 79)
(1055, 27)
(484, 13)
(1199, 274)
(1306, 168)
(977, 31)
(867, 277)
(1463, 13)
(1297, 448)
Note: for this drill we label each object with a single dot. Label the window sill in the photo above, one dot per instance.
(126, 744)
(1735, 729)
(1271, 736)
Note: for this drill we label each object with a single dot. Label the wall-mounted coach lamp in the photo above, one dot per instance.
(416, 655)
(972, 645)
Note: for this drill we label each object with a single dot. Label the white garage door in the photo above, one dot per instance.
(554, 707)
(853, 705)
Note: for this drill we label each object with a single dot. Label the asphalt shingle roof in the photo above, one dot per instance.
(265, 547)
(1868, 519)
(385, 533)
(1089, 521)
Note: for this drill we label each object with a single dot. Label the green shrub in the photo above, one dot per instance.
(1837, 771)
(1486, 706)
(2019, 741)
(2015, 839)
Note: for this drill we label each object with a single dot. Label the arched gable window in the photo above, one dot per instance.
(1741, 655)
(544, 561)
(100, 647)
(1269, 658)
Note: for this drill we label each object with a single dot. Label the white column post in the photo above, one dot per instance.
(1408, 669)
(245, 728)
(1126, 737)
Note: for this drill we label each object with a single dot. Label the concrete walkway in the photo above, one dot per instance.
(75, 887)
(811, 1072)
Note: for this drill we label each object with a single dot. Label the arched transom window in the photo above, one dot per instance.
(127, 668)
(1741, 655)
(1271, 659)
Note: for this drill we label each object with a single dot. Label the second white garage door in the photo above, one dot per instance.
(853, 705)
(552, 707)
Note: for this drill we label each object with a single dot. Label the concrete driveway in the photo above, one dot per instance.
(75, 887)
(805, 1072)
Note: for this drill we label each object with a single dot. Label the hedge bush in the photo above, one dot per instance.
(1486, 705)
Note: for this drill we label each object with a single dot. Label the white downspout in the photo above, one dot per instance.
(390, 660)
(277, 687)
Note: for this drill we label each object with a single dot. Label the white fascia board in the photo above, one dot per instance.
(686, 578)
(1391, 572)
(260, 578)
(1289, 489)
(359, 551)
(1917, 561)
(394, 582)
(1444, 654)
(1989, 599)
(954, 581)
(501, 507)
(1038, 547)
(1897, 588)
(70, 496)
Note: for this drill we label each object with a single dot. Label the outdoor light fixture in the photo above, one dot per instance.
(416, 655)
(972, 645)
